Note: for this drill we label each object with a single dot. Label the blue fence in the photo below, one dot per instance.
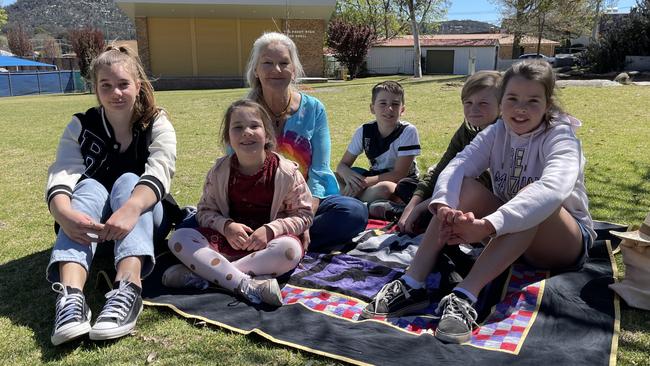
(40, 82)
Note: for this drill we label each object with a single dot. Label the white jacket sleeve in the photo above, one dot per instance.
(471, 162)
(161, 164)
(68, 166)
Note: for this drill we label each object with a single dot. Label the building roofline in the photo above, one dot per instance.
(244, 9)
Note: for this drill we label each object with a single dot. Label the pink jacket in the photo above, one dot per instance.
(291, 211)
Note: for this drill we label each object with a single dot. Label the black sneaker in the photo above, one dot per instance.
(72, 317)
(120, 313)
(385, 210)
(396, 299)
(457, 321)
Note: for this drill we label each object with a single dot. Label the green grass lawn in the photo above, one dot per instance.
(614, 136)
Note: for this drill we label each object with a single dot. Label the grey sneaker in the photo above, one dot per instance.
(385, 209)
(72, 317)
(396, 299)
(120, 313)
(179, 276)
(261, 291)
(457, 321)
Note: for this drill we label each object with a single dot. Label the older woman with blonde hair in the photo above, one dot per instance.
(302, 133)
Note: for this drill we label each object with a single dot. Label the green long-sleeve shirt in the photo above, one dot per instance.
(463, 136)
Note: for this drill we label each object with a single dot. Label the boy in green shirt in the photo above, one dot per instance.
(481, 109)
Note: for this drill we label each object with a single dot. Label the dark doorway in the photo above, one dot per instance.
(440, 62)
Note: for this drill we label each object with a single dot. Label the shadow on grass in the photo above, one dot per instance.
(28, 301)
(623, 206)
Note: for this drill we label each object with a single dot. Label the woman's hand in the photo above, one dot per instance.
(259, 239)
(236, 234)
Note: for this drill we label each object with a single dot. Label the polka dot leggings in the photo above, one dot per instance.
(281, 255)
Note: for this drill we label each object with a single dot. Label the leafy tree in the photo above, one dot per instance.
(350, 43)
(87, 43)
(3, 17)
(18, 40)
(390, 18)
(553, 19)
(629, 36)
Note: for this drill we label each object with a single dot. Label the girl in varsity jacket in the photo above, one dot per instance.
(113, 166)
(253, 212)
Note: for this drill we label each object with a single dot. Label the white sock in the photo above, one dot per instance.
(470, 296)
(412, 282)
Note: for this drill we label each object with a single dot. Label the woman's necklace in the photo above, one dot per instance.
(279, 116)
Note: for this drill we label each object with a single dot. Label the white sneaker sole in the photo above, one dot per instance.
(454, 338)
(71, 333)
(114, 332)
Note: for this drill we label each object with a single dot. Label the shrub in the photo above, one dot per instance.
(87, 43)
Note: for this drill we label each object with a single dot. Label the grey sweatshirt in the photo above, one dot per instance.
(547, 161)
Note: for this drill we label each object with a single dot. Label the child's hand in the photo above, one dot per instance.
(354, 182)
(408, 219)
(470, 230)
(448, 217)
(236, 234)
(77, 225)
(350, 191)
(120, 223)
(306, 239)
(259, 239)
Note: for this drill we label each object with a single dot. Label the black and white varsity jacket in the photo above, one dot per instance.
(88, 149)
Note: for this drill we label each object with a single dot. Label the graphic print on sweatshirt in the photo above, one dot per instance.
(509, 182)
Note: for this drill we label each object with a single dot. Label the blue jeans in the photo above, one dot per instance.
(91, 198)
(337, 220)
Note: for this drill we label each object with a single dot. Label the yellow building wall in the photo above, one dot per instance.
(250, 30)
(203, 46)
(170, 46)
(217, 47)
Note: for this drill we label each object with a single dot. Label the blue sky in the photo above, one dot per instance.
(483, 10)
(486, 11)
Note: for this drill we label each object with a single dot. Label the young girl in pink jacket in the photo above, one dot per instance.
(254, 209)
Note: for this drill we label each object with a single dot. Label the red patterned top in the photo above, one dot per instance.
(250, 196)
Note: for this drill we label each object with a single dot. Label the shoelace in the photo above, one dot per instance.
(390, 291)
(118, 302)
(459, 309)
(69, 306)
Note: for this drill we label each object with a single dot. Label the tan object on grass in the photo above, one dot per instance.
(635, 287)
